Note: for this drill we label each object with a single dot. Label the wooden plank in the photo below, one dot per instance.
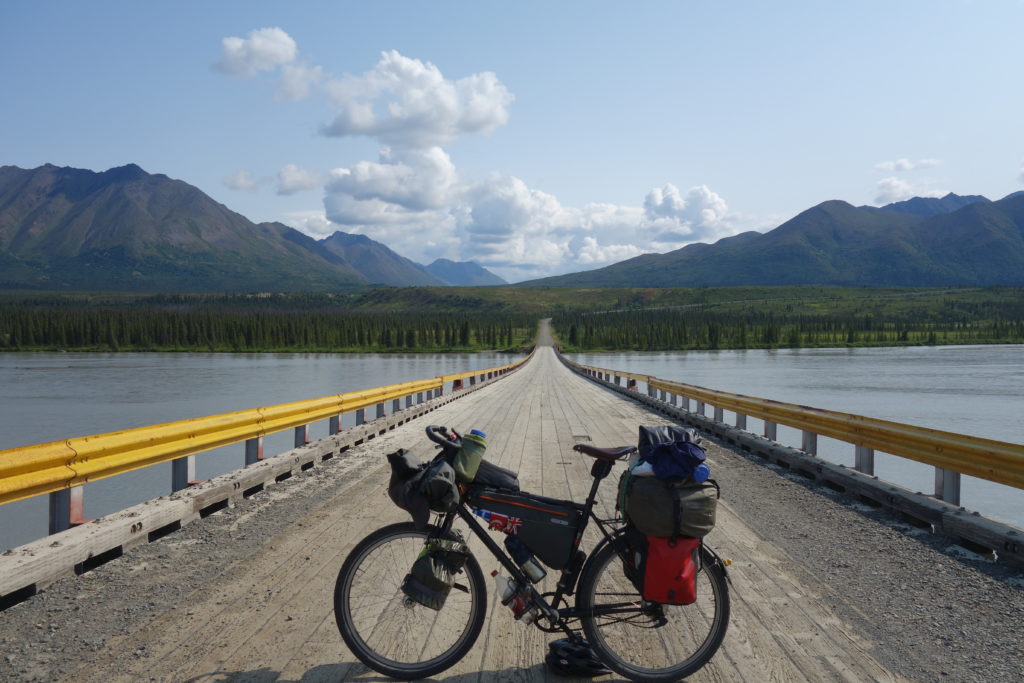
(269, 615)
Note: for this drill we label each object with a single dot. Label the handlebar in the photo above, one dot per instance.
(449, 441)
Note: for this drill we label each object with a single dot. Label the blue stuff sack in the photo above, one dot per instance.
(673, 452)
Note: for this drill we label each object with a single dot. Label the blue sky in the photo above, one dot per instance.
(533, 137)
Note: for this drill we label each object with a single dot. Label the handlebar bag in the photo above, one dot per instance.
(404, 486)
(433, 573)
(437, 484)
(670, 570)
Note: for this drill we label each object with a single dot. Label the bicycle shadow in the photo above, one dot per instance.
(333, 673)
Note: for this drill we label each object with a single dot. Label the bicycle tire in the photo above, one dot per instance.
(391, 634)
(631, 644)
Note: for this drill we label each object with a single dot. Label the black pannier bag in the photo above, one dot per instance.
(419, 488)
(545, 525)
(433, 573)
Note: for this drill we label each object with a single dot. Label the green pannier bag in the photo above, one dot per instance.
(433, 573)
(663, 509)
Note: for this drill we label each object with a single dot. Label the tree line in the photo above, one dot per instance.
(136, 328)
(794, 326)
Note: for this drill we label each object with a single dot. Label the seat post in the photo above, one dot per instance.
(600, 470)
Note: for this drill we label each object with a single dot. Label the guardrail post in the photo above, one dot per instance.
(809, 443)
(183, 472)
(662, 394)
(864, 459)
(741, 421)
(396, 405)
(770, 430)
(380, 410)
(408, 401)
(253, 450)
(457, 385)
(334, 425)
(700, 408)
(360, 416)
(947, 485)
(684, 403)
(618, 380)
(719, 414)
(301, 435)
(419, 397)
(66, 509)
(631, 384)
(472, 380)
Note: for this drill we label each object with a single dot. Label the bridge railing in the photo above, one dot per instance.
(60, 468)
(951, 454)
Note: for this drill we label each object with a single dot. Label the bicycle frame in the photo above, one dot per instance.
(573, 570)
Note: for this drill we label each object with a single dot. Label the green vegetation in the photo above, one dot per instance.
(853, 317)
(238, 323)
(412, 319)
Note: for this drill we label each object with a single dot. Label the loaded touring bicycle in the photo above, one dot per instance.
(410, 598)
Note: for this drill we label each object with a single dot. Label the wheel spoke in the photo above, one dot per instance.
(648, 641)
(391, 633)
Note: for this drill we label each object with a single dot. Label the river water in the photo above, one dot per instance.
(44, 397)
(53, 396)
(975, 390)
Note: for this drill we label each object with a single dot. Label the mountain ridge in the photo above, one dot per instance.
(126, 229)
(836, 243)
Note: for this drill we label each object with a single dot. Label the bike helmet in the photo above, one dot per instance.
(568, 658)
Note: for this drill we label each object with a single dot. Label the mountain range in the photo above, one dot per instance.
(922, 242)
(125, 229)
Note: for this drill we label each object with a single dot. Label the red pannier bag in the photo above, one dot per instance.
(670, 571)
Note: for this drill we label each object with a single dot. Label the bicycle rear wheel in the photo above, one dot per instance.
(390, 633)
(628, 633)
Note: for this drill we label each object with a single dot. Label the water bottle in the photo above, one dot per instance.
(516, 600)
(525, 559)
(701, 473)
(467, 460)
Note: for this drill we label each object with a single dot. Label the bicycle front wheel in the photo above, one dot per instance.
(387, 631)
(646, 641)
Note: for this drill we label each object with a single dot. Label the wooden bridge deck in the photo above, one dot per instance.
(268, 615)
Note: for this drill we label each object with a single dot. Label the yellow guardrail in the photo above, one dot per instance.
(45, 468)
(996, 461)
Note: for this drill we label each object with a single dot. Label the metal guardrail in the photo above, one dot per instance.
(950, 453)
(60, 468)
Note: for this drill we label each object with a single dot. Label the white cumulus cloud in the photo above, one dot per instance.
(405, 102)
(894, 189)
(413, 179)
(264, 49)
(675, 219)
(243, 180)
(292, 178)
(905, 165)
(592, 253)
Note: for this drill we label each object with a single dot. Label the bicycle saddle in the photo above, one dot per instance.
(609, 454)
